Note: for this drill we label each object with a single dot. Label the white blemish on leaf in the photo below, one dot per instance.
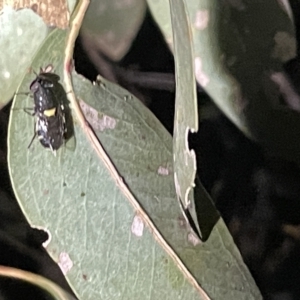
(163, 171)
(19, 31)
(202, 19)
(201, 77)
(6, 74)
(64, 262)
(287, 91)
(137, 226)
(193, 239)
(182, 222)
(108, 122)
(92, 116)
(285, 46)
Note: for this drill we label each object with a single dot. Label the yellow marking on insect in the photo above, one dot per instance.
(50, 112)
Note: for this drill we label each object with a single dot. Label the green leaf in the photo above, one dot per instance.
(186, 120)
(110, 27)
(111, 245)
(239, 49)
(22, 32)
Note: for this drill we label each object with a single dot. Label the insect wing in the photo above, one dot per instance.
(44, 96)
(51, 130)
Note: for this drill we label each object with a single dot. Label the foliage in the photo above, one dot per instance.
(123, 210)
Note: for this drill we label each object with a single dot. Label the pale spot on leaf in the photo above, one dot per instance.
(97, 122)
(201, 77)
(287, 90)
(6, 74)
(163, 171)
(137, 226)
(65, 263)
(202, 19)
(193, 239)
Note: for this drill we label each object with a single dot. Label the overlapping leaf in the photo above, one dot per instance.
(111, 26)
(21, 33)
(239, 49)
(186, 121)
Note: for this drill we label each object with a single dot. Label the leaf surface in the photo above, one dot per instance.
(103, 244)
(186, 121)
(111, 26)
(21, 33)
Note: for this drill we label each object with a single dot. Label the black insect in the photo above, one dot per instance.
(49, 110)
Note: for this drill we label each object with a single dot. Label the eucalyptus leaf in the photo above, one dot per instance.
(107, 247)
(186, 121)
(21, 33)
(111, 26)
(239, 47)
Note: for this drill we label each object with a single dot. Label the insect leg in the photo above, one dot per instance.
(23, 93)
(28, 109)
(34, 135)
(31, 140)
